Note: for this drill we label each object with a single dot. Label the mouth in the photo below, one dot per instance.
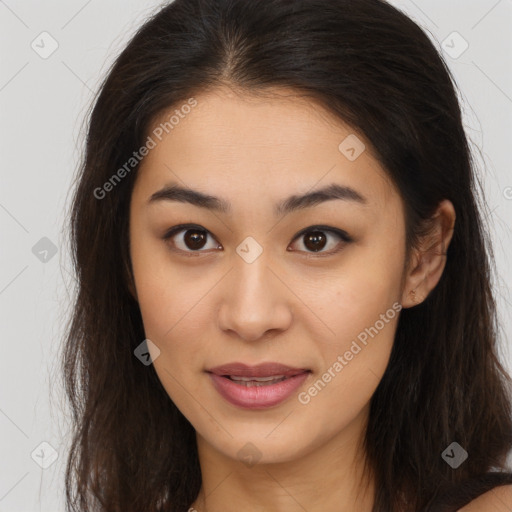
(255, 381)
(257, 387)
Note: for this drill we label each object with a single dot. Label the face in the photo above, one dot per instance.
(314, 284)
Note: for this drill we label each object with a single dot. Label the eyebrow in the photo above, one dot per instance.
(291, 204)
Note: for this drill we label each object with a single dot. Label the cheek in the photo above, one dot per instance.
(174, 307)
(171, 313)
(173, 319)
(361, 308)
(354, 360)
(163, 296)
(354, 297)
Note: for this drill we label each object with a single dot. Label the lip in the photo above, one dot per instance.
(257, 397)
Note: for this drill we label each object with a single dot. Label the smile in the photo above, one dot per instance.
(257, 387)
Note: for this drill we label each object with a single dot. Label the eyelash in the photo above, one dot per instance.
(309, 254)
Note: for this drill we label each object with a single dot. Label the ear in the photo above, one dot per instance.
(428, 259)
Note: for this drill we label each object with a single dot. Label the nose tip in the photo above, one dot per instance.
(254, 323)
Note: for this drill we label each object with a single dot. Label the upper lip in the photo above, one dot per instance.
(260, 370)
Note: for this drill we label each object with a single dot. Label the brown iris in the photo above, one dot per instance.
(315, 240)
(195, 238)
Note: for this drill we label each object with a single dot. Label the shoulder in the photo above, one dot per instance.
(498, 499)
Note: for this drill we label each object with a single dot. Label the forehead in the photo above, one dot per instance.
(234, 142)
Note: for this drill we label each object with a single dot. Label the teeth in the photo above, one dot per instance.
(257, 381)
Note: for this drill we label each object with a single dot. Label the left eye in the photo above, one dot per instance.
(313, 238)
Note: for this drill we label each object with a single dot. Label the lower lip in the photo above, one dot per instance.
(257, 397)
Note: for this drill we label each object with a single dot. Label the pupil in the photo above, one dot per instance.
(315, 241)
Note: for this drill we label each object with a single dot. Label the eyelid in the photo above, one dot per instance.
(319, 227)
(343, 235)
(183, 227)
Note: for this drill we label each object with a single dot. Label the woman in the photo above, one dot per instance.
(284, 296)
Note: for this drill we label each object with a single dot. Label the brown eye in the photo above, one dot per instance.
(193, 239)
(316, 238)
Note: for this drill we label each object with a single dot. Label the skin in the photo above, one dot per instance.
(294, 307)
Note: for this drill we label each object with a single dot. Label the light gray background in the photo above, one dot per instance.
(42, 106)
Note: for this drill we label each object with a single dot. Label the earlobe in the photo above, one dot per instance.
(429, 259)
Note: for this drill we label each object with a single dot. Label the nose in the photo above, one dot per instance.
(255, 301)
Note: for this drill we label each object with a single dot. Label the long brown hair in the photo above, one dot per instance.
(374, 68)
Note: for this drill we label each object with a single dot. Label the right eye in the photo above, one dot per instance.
(191, 241)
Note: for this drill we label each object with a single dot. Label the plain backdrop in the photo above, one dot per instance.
(53, 57)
